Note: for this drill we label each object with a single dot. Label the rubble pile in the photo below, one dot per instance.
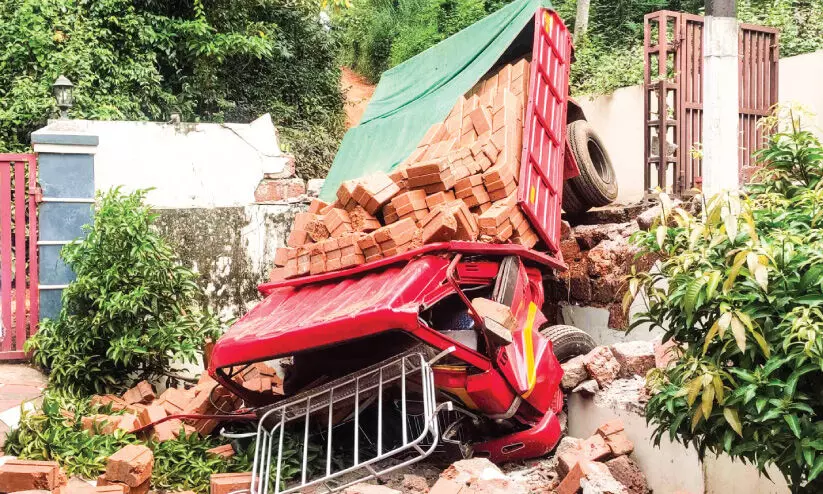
(615, 374)
(459, 184)
(599, 256)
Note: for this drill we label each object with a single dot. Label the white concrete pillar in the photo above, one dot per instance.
(720, 104)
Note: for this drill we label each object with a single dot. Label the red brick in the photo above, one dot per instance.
(389, 214)
(448, 486)
(396, 231)
(130, 465)
(283, 254)
(440, 225)
(345, 193)
(224, 451)
(430, 167)
(481, 120)
(23, 475)
(619, 444)
(317, 230)
(571, 482)
(408, 202)
(501, 194)
(297, 238)
(106, 485)
(466, 184)
(317, 205)
(175, 400)
(362, 220)
(151, 413)
(594, 448)
(140, 393)
(226, 483)
(444, 179)
(116, 402)
(610, 427)
(495, 216)
(100, 424)
(374, 191)
(166, 431)
(497, 312)
(128, 422)
(269, 190)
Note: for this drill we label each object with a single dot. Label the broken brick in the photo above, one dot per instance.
(166, 431)
(100, 424)
(362, 220)
(131, 465)
(602, 365)
(128, 422)
(374, 191)
(174, 400)
(594, 448)
(610, 427)
(495, 311)
(151, 413)
(116, 402)
(619, 444)
(140, 393)
(24, 475)
(439, 198)
(226, 483)
(224, 451)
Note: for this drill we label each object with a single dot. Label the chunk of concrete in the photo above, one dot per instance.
(636, 358)
(628, 473)
(574, 372)
(602, 366)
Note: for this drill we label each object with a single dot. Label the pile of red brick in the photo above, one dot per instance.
(603, 456)
(460, 183)
(142, 407)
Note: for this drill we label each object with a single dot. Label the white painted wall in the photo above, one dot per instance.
(189, 164)
(618, 117)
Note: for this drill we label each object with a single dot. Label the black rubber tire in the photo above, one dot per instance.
(571, 204)
(568, 341)
(597, 183)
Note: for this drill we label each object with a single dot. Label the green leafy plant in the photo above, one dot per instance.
(210, 60)
(740, 289)
(130, 312)
(54, 432)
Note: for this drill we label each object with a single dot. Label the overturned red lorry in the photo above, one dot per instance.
(389, 362)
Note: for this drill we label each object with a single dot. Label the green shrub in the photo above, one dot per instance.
(130, 312)
(54, 432)
(741, 289)
(211, 60)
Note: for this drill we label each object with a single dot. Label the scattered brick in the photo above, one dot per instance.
(602, 366)
(151, 413)
(128, 422)
(619, 443)
(497, 312)
(224, 451)
(166, 431)
(374, 191)
(116, 402)
(362, 220)
(226, 483)
(130, 465)
(100, 424)
(24, 475)
(610, 427)
(174, 400)
(141, 393)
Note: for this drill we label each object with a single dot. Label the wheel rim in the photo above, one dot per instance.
(601, 164)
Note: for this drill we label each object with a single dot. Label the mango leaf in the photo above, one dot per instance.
(816, 469)
(707, 400)
(730, 222)
(739, 333)
(730, 414)
(694, 390)
(794, 424)
(710, 335)
(660, 233)
(711, 285)
(723, 323)
(698, 414)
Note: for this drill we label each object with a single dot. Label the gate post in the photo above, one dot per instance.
(66, 165)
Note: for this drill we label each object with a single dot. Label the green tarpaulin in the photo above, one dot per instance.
(421, 91)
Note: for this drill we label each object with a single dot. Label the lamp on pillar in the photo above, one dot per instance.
(64, 94)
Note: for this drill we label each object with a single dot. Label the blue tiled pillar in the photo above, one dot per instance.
(66, 176)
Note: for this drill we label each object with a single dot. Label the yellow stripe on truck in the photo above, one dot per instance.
(528, 349)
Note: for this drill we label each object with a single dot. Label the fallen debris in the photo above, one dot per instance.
(27, 475)
(226, 483)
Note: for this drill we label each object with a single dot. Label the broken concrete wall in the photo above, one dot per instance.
(232, 248)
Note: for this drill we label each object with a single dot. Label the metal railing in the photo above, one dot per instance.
(333, 408)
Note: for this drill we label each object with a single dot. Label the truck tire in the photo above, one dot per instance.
(571, 204)
(568, 341)
(597, 183)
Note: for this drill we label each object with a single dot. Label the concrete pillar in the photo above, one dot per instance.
(720, 97)
(66, 176)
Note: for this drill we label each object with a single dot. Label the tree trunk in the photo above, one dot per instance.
(581, 21)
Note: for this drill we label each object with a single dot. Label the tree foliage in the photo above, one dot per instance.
(211, 60)
(740, 290)
(379, 34)
(130, 312)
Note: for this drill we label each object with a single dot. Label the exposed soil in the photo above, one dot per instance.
(358, 92)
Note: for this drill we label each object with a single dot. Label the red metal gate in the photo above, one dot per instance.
(18, 253)
(673, 106)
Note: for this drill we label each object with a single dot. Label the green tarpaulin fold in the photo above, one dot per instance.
(421, 91)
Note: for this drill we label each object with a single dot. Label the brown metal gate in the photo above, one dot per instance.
(673, 103)
(18, 253)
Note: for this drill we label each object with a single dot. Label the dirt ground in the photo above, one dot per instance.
(358, 92)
